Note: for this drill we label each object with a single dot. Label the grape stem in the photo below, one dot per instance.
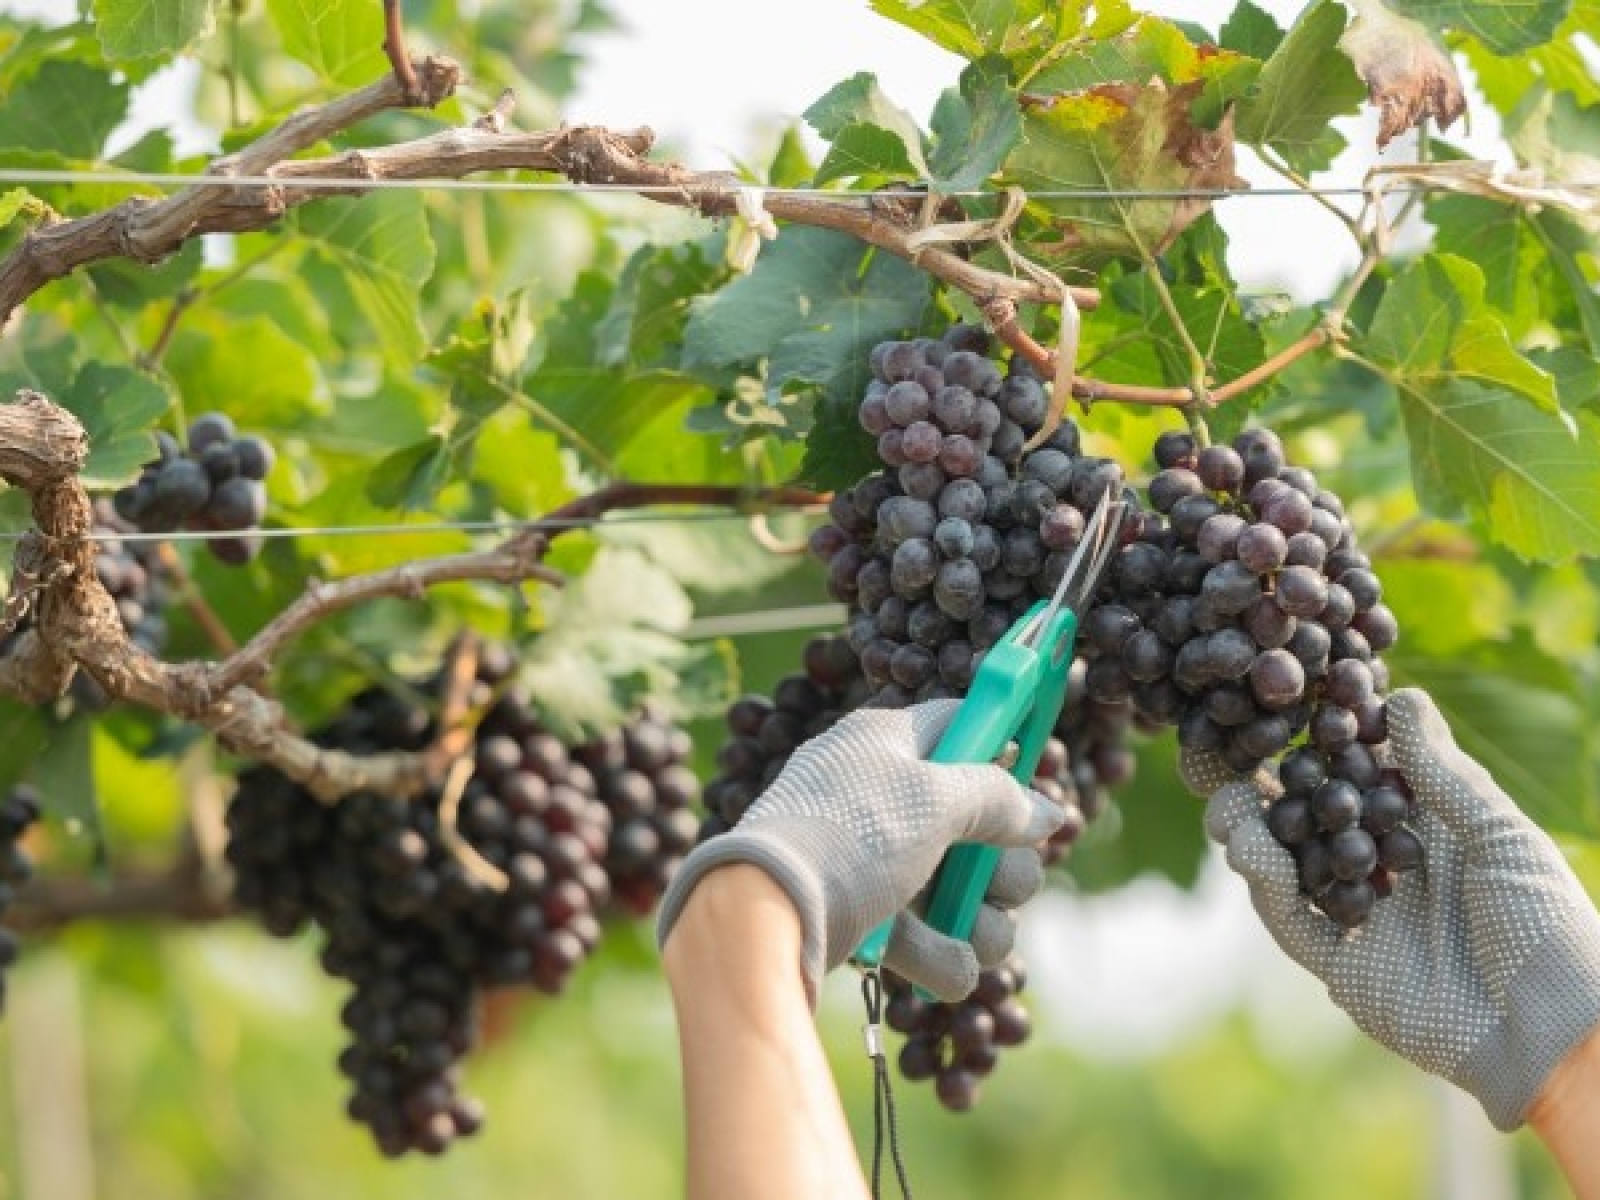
(394, 46)
(1002, 317)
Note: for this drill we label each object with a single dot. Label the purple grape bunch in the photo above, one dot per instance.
(418, 928)
(1247, 616)
(216, 486)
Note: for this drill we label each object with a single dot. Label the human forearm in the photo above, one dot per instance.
(1566, 1116)
(764, 1118)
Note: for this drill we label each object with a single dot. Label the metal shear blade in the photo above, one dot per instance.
(1085, 567)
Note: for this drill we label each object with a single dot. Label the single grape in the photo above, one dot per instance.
(1348, 902)
(914, 566)
(1301, 591)
(1383, 808)
(1220, 468)
(1354, 853)
(1336, 805)
(1277, 679)
(1378, 626)
(209, 429)
(1332, 728)
(1173, 485)
(1301, 771)
(1289, 820)
(1261, 547)
(1176, 448)
(1400, 850)
(1218, 538)
(1349, 683)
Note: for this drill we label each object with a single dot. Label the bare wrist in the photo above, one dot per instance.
(735, 914)
(1572, 1086)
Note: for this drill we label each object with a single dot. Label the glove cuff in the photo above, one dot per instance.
(1554, 1002)
(787, 849)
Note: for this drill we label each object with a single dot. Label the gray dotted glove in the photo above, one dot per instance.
(853, 829)
(1484, 966)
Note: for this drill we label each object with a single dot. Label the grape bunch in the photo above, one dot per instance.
(936, 555)
(642, 777)
(18, 811)
(1246, 615)
(407, 921)
(215, 486)
(958, 1045)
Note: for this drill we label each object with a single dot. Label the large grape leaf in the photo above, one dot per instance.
(1306, 83)
(145, 28)
(1504, 26)
(1485, 429)
(380, 248)
(1250, 30)
(974, 127)
(246, 367)
(1117, 137)
(812, 307)
(118, 408)
(341, 40)
(974, 28)
(65, 107)
(1434, 324)
(1516, 712)
(868, 133)
(1154, 49)
(644, 322)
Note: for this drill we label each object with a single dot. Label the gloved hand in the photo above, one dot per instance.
(854, 827)
(1483, 966)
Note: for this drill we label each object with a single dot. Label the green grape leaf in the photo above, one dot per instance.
(838, 451)
(380, 246)
(878, 136)
(1154, 826)
(614, 633)
(601, 412)
(791, 164)
(63, 772)
(341, 40)
(1154, 49)
(1481, 604)
(65, 107)
(1116, 137)
(1577, 376)
(813, 307)
(1250, 30)
(1515, 711)
(974, 127)
(643, 325)
(130, 284)
(1485, 427)
(1504, 26)
(410, 478)
(1500, 242)
(1306, 83)
(866, 152)
(1532, 480)
(146, 28)
(1569, 246)
(1019, 29)
(1434, 323)
(24, 730)
(118, 407)
(246, 367)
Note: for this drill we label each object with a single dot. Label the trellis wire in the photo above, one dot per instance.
(506, 528)
(19, 175)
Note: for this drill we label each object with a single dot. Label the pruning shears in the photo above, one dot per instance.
(1008, 715)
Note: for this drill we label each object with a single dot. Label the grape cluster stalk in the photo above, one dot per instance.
(419, 927)
(216, 486)
(936, 556)
(19, 810)
(1247, 616)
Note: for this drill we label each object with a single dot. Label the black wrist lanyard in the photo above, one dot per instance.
(882, 1092)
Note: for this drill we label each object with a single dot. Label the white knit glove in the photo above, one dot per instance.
(1484, 965)
(853, 829)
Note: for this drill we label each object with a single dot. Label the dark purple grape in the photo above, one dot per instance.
(1306, 550)
(1400, 850)
(1336, 805)
(1108, 627)
(1353, 852)
(1316, 866)
(1277, 679)
(963, 499)
(1289, 820)
(1348, 902)
(1191, 512)
(1268, 624)
(1171, 486)
(1363, 587)
(1261, 547)
(1383, 808)
(1336, 614)
(1301, 771)
(1332, 728)
(1349, 683)
(1062, 527)
(1378, 626)
(1176, 448)
(1231, 587)
(1220, 468)
(1145, 657)
(1301, 591)
(1218, 538)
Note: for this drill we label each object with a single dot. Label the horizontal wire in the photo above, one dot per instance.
(22, 175)
(778, 620)
(502, 527)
